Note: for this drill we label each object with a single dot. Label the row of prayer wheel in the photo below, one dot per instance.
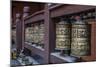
(73, 37)
(35, 34)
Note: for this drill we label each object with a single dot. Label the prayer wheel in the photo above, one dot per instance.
(41, 34)
(80, 44)
(29, 34)
(36, 33)
(63, 35)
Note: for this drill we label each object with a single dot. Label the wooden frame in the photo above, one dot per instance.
(47, 14)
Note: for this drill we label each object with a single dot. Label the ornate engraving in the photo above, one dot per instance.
(62, 36)
(80, 40)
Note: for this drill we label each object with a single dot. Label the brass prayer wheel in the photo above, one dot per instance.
(29, 34)
(14, 35)
(80, 38)
(36, 33)
(41, 34)
(63, 35)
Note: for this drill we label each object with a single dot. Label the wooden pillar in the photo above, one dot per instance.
(49, 34)
(18, 33)
(25, 14)
(93, 41)
(92, 56)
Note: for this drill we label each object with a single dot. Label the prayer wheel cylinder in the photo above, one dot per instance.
(41, 34)
(63, 35)
(80, 38)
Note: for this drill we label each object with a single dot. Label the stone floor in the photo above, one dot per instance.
(18, 61)
(15, 63)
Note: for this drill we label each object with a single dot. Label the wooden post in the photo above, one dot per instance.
(46, 36)
(18, 33)
(49, 34)
(92, 56)
(25, 14)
